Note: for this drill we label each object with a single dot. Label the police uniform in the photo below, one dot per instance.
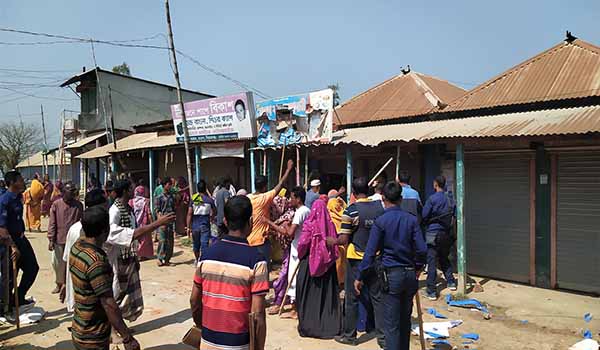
(397, 236)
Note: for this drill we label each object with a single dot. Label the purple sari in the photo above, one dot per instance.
(313, 240)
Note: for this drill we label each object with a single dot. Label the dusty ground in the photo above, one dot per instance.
(554, 319)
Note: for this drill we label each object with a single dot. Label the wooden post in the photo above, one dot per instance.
(348, 173)
(45, 154)
(186, 136)
(397, 162)
(197, 157)
(264, 164)
(252, 168)
(151, 178)
(306, 169)
(461, 243)
(297, 166)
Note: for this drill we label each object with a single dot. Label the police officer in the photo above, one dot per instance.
(438, 215)
(397, 234)
(12, 230)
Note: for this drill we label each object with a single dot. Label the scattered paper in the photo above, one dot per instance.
(436, 330)
(588, 317)
(30, 316)
(434, 312)
(586, 344)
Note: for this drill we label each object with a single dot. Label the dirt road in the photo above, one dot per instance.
(554, 319)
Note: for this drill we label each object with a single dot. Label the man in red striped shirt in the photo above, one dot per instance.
(230, 282)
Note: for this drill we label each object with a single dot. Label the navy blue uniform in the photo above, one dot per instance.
(11, 219)
(398, 236)
(438, 214)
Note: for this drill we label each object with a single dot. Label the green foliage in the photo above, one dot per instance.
(336, 96)
(122, 69)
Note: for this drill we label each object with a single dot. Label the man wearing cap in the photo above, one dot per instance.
(63, 213)
(313, 194)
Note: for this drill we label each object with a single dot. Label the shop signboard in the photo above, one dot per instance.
(304, 118)
(222, 118)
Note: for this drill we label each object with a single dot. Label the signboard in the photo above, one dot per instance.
(217, 119)
(304, 118)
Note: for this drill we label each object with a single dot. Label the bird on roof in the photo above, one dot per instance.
(405, 71)
(570, 37)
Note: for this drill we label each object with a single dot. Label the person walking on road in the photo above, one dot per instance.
(165, 206)
(398, 236)
(63, 214)
(221, 197)
(200, 212)
(438, 216)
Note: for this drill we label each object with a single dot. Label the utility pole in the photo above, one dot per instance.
(186, 136)
(112, 119)
(45, 155)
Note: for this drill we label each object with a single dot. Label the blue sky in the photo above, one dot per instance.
(280, 47)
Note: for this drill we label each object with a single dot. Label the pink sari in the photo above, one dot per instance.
(313, 240)
(141, 210)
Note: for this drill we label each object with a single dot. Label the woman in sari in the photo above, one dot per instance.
(47, 200)
(282, 214)
(141, 211)
(317, 290)
(182, 203)
(33, 204)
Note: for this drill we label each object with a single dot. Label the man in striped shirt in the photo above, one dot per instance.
(95, 307)
(230, 282)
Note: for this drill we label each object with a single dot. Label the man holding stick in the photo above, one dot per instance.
(397, 234)
(12, 231)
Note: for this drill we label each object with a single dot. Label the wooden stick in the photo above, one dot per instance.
(420, 318)
(381, 170)
(288, 288)
(15, 285)
(282, 159)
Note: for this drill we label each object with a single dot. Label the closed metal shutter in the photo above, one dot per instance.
(578, 222)
(497, 215)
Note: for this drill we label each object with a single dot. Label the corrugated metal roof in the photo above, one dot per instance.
(580, 120)
(129, 141)
(567, 70)
(37, 160)
(84, 141)
(402, 96)
(151, 143)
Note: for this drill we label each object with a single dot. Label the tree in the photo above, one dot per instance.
(122, 69)
(336, 96)
(18, 141)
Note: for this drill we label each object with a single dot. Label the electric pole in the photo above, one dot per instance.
(186, 137)
(45, 154)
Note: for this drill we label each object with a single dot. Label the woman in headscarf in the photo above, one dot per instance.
(57, 193)
(182, 203)
(33, 203)
(317, 290)
(282, 214)
(47, 200)
(141, 211)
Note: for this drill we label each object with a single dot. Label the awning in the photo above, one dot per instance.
(151, 143)
(126, 142)
(86, 140)
(566, 121)
(37, 160)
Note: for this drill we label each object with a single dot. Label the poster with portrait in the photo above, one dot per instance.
(221, 118)
(304, 118)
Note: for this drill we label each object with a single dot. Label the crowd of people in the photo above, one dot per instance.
(338, 260)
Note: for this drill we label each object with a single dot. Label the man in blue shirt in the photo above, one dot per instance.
(313, 193)
(12, 230)
(411, 201)
(438, 215)
(398, 236)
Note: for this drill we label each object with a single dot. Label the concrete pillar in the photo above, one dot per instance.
(151, 178)
(461, 244)
(252, 168)
(197, 156)
(348, 173)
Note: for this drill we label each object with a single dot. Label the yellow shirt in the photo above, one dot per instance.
(261, 204)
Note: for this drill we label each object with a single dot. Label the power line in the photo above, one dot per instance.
(123, 43)
(36, 71)
(35, 96)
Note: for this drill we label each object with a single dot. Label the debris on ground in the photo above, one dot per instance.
(524, 322)
(586, 344)
(434, 312)
(587, 334)
(29, 316)
(478, 288)
(588, 317)
(472, 336)
(436, 330)
(470, 304)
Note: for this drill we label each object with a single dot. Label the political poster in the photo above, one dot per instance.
(222, 118)
(303, 118)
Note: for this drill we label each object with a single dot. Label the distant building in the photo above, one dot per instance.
(35, 164)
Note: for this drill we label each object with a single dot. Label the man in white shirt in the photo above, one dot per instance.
(298, 195)
(93, 198)
(121, 249)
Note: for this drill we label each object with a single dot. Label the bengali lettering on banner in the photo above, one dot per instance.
(222, 118)
(304, 118)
